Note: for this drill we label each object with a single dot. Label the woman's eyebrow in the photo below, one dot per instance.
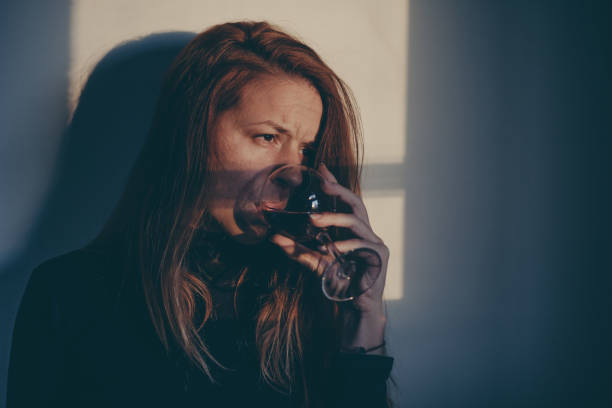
(275, 125)
(280, 129)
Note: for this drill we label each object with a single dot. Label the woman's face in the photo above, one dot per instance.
(275, 122)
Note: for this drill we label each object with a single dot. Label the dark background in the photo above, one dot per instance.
(507, 248)
(508, 177)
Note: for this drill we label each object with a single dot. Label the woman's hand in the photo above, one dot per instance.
(364, 316)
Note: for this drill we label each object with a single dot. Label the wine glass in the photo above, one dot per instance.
(288, 196)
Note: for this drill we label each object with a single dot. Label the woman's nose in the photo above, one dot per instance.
(291, 155)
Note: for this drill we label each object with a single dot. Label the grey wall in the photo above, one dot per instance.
(34, 39)
(506, 214)
(60, 180)
(507, 180)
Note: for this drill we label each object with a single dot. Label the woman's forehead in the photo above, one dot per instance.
(292, 103)
(279, 92)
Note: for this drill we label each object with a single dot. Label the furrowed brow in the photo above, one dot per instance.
(275, 125)
(282, 130)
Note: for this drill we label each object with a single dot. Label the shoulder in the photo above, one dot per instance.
(75, 286)
(76, 271)
(65, 298)
(78, 264)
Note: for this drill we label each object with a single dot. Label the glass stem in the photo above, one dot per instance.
(324, 238)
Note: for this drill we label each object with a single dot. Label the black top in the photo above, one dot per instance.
(83, 338)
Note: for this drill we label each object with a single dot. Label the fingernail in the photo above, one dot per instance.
(315, 216)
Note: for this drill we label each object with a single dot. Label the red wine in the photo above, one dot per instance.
(295, 224)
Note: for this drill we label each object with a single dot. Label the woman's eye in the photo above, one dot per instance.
(267, 137)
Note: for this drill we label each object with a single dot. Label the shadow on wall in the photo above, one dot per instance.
(98, 149)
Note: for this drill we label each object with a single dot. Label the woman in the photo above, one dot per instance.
(176, 302)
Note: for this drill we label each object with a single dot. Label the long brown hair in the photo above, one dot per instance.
(164, 205)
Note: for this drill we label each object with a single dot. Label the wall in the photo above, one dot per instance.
(487, 168)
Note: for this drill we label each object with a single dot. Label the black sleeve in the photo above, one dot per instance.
(360, 380)
(36, 366)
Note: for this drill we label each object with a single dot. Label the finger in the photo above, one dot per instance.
(327, 173)
(303, 255)
(350, 221)
(332, 187)
(373, 260)
(334, 287)
(352, 244)
(379, 258)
